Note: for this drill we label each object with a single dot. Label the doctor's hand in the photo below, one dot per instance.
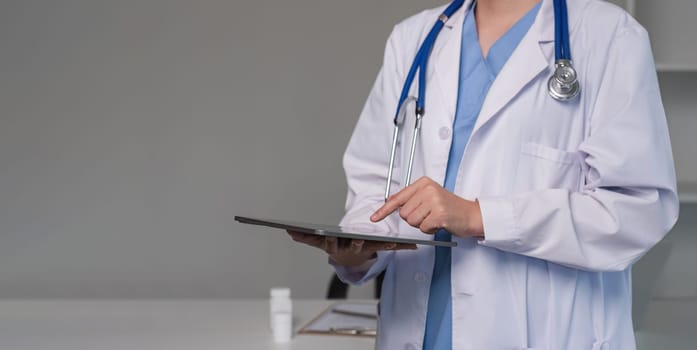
(429, 207)
(347, 252)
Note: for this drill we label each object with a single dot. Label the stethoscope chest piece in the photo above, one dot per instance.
(563, 84)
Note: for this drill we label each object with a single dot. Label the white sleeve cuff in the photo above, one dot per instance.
(498, 219)
(358, 275)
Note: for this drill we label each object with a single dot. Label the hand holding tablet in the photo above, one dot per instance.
(347, 251)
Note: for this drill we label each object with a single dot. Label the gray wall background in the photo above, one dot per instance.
(132, 131)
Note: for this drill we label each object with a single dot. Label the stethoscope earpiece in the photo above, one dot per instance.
(563, 84)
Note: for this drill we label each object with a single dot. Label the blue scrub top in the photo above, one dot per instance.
(476, 76)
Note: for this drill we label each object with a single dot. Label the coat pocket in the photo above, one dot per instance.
(544, 167)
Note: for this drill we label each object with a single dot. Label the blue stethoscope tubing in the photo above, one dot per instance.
(562, 85)
(420, 64)
(561, 31)
(421, 60)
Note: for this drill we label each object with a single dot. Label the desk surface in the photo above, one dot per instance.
(227, 325)
(154, 324)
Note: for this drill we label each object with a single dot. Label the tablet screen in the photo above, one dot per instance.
(366, 232)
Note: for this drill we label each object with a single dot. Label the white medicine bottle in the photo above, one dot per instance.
(281, 314)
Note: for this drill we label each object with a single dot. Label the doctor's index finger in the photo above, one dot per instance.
(397, 200)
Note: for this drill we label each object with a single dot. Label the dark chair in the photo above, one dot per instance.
(339, 290)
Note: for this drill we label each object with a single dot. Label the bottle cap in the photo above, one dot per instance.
(280, 292)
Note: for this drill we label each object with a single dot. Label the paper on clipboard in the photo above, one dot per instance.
(345, 318)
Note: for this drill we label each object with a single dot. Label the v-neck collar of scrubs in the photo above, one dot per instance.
(503, 47)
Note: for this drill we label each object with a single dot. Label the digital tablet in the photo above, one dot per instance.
(368, 232)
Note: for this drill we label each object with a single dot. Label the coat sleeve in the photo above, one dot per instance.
(366, 161)
(629, 200)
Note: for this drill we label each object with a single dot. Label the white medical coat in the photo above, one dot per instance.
(571, 193)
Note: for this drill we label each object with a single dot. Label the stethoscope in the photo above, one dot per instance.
(562, 85)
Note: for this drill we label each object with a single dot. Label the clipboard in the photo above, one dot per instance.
(346, 318)
(367, 232)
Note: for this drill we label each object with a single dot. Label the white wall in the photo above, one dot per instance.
(132, 131)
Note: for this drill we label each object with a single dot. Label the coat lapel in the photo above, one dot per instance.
(446, 59)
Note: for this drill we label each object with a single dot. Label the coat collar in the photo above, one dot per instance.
(527, 61)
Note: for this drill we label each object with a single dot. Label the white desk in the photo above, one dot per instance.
(154, 324)
(227, 325)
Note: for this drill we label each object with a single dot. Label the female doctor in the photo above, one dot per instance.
(550, 199)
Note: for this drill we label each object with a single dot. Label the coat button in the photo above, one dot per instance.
(420, 276)
(409, 346)
(444, 133)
